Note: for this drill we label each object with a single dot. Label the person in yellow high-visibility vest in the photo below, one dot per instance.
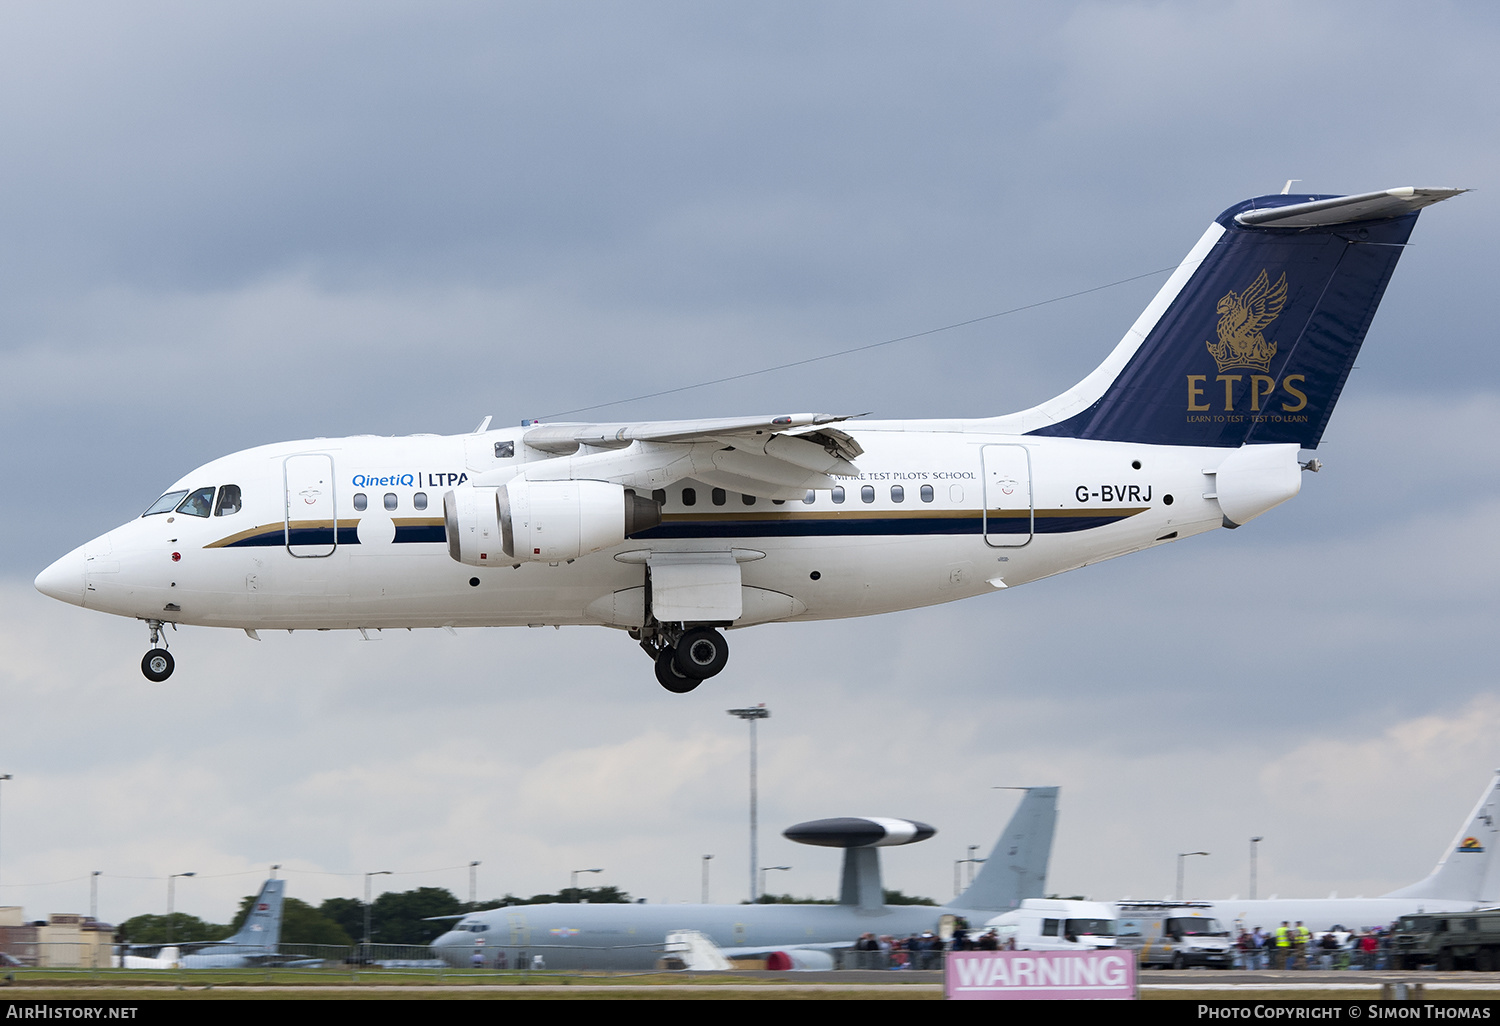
(1283, 945)
(1301, 942)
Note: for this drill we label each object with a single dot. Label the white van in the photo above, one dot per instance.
(1174, 935)
(1054, 924)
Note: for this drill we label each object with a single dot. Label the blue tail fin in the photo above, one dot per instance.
(262, 927)
(1253, 336)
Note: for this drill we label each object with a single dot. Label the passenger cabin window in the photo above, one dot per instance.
(719, 496)
(166, 503)
(838, 493)
(927, 493)
(748, 500)
(690, 496)
(229, 501)
(361, 501)
(199, 503)
(390, 501)
(810, 497)
(867, 493)
(898, 494)
(659, 496)
(419, 501)
(1049, 927)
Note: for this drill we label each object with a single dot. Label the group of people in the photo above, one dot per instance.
(1294, 946)
(920, 950)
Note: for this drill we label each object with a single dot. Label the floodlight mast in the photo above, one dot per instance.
(1181, 858)
(759, 712)
(5, 776)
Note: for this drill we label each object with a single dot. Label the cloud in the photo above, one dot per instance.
(422, 218)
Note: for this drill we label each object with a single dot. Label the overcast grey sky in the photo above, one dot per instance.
(231, 224)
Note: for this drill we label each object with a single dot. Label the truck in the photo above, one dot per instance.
(1448, 940)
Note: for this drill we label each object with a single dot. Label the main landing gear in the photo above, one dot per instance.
(158, 663)
(687, 659)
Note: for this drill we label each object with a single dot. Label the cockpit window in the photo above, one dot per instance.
(165, 503)
(229, 501)
(198, 503)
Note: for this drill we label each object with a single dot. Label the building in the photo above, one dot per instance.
(64, 940)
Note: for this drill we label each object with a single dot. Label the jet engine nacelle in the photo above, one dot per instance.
(472, 517)
(542, 521)
(548, 521)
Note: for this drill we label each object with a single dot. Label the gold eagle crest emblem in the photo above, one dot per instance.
(1243, 316)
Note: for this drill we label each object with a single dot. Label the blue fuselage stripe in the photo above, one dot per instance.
(899, 527)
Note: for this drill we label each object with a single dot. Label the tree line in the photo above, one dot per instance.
(396, 917)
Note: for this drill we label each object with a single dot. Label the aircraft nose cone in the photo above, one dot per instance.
(442, 947)
(64, 580)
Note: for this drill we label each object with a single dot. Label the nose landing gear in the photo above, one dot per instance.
(684, 659)
(158, 663)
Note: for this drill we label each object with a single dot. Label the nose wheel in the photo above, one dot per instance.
(158, 663)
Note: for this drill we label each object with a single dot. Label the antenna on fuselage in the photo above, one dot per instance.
(484, 425)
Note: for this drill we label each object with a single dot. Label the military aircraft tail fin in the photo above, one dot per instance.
(1017, 867)
(1469, 868)
(262, 927)
(1253, 336)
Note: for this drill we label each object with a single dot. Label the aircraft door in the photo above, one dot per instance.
(1009, 518)
(311, 518)
(520, 932)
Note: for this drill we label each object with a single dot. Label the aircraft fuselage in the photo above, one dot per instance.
(939, 513)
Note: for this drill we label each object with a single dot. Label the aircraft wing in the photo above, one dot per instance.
(777, 457)
(696, 950)
(762, 950)
(566, 438)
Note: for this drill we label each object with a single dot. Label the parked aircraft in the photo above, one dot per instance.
(674, 530)
(1467, 876)
(254, 944)
(578, 936)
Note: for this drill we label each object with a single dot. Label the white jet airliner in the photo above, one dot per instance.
(674, 530)
(1467, 876)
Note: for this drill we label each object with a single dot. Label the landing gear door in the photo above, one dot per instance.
(695, 587)
(311, 519)
(1009, 518)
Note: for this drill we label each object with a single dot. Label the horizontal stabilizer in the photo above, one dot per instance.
(1367, 206)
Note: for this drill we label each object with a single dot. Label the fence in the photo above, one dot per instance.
(327, 960)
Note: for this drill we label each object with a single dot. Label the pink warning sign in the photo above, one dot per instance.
(1040, 975)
